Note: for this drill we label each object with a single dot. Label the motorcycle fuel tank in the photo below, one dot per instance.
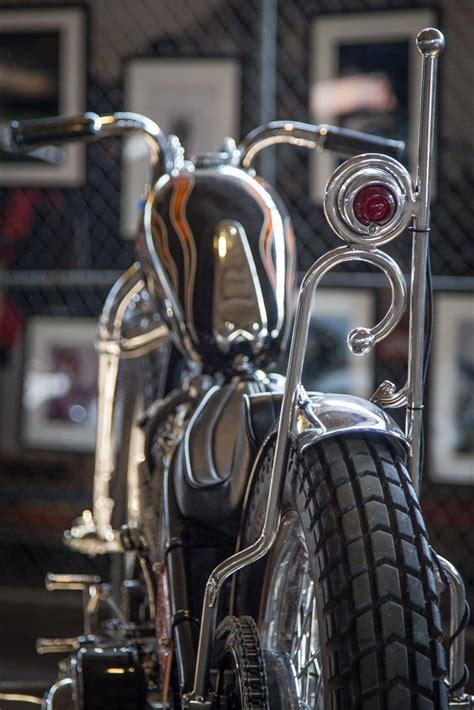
(217, 249)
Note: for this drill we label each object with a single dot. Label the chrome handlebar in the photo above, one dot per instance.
(343, 141)
(91, 126)
(63, 129)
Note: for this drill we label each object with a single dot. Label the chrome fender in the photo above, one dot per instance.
(320, 416)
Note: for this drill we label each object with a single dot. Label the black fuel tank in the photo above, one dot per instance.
(218, 251)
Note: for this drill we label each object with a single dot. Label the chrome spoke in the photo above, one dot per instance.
(310, 661)
(290, 624)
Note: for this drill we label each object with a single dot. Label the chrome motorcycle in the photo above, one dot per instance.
(273, 552)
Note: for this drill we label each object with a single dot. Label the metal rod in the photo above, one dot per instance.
(21, 698)
(109, 348)
(430, 43)
(268, 79)
(457, 596)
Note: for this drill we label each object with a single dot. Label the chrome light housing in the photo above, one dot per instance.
(369, 200)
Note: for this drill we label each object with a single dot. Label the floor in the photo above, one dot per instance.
(28, 614)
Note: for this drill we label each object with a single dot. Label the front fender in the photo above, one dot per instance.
(320, 416)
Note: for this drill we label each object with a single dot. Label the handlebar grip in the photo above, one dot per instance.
(60, 129)
(347, 143)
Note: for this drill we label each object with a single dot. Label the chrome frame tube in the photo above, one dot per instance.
(109, 349)
(457, 609)
(95, 534)
(253, 553)
(430, 44)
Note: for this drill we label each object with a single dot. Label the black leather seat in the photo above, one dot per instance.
(215, 458)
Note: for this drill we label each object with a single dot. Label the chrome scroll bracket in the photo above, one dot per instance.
(361, 341)
(386, 395)
(396, 194)
(92, 533)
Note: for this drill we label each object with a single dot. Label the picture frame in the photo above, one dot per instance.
(365, 74)
(452, 390)
(43, 56)
(59, 392)
(196, 98)
(329, 365)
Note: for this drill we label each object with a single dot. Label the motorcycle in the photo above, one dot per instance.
(273, 551)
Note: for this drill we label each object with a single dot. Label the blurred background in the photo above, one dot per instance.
(205, 69)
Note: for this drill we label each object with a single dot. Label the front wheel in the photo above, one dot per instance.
(346, 600)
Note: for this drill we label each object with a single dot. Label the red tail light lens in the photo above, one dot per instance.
(375, 203)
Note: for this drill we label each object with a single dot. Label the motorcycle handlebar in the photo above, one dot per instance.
(60, 129)
(91, 126)
(348, 143)
(342, 141)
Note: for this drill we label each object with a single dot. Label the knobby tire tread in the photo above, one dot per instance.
(380, 625)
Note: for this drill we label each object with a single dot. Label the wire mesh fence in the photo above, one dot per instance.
(61, 248)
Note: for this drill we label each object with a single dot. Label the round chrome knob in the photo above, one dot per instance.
(430, 42)
(361, 341)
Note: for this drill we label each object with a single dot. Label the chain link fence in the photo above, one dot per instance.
(61, 249)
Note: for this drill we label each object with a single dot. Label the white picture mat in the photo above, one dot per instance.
(39, 430)
(452, 313)
(328, 33)
(71, 24)
(354, 308)
(206, 92)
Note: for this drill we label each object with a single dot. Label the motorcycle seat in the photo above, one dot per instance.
(214, 460)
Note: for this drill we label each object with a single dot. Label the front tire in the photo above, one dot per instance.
(353, 536)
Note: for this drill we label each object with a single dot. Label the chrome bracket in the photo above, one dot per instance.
(457, 609)
(387, 396)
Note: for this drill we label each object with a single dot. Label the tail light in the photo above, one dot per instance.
(375, 204)
(369, 200)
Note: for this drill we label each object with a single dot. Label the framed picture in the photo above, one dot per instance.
(59, 398)
(197, 99)
(365, 75)
(329, 364)
(452, 393)
(42, 73)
